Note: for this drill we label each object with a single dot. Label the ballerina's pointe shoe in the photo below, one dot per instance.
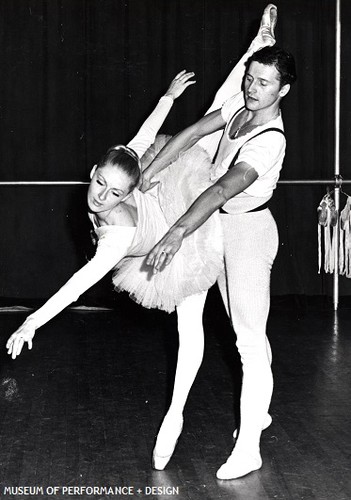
(267, 422)
(166, 442)
(265, 36)
(326, 212)
(345, 214)
(238, 465)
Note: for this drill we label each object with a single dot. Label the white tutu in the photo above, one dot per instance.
(197, 264)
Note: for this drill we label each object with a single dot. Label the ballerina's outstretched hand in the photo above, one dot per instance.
(179, 83)
(24, 333)
(176, 88)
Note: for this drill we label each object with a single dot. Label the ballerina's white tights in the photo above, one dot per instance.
(190, 354)
(191, 349)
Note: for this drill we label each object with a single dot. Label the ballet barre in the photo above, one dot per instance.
(43, 183)
(336, 182)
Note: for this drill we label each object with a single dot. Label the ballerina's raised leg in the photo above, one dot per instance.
(233, 83)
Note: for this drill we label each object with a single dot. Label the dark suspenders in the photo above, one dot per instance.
(271, 129)
(232, 118)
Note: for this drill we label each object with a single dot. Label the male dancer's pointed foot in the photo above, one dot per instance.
(267, 422)
(166, 441)
(239, 464)
(265, 36)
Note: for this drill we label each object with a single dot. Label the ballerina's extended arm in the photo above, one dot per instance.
(111, 249)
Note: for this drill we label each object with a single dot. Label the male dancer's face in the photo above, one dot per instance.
(262, 88)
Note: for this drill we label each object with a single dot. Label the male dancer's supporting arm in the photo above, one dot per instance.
(230, 184)
(182, 142)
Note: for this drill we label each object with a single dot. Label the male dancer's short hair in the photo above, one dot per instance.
(282, 60)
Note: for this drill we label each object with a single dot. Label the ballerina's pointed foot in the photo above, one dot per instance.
(166, 441)
(265, 36)
(269, 20)
(239, 464)
(267, 422)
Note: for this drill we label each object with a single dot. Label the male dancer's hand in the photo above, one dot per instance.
(146, 183)
(163, 253)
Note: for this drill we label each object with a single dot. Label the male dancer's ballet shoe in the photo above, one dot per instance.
(166, 442)
(267, 422)
(265, 36)
(238, 465)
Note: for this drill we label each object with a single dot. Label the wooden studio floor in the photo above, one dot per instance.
(83, 407)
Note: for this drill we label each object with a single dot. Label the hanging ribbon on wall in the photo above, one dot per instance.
(333, 233)
(345, 240)
(328, 219)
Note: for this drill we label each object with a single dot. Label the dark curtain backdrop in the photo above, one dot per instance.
(80, 75)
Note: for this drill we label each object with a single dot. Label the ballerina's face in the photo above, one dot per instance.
(108, 188)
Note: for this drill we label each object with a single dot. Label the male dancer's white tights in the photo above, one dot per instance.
(250, 247)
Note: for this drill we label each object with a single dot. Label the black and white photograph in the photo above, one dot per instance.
(175, 253)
